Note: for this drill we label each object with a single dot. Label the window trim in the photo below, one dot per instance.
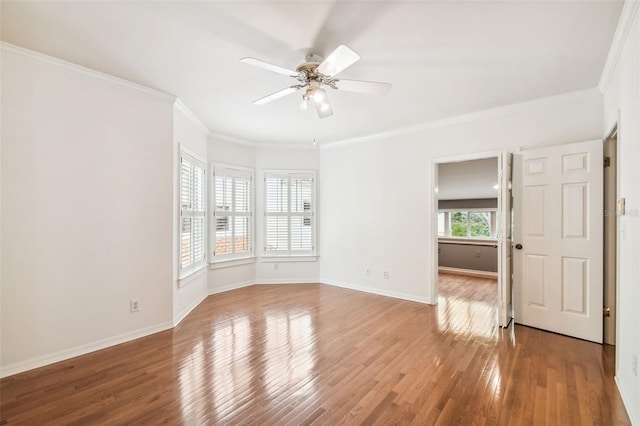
(289, 254)
(447, 224)
(216, 260)
(194, 267)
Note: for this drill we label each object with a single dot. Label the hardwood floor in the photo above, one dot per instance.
(303, 354)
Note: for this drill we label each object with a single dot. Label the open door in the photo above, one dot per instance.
(505, 308)
(558, 279)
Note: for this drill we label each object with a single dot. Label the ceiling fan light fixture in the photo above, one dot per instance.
(319, 95)
(317, 73)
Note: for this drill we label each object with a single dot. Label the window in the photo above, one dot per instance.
(442, 224)
(467, 224)
(289, 213)
(232, 212)
(192, 214)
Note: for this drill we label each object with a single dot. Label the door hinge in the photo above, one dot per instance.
(606, 312)
(607, 161)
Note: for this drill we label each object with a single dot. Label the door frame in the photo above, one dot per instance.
(611, 287)
(502, 281)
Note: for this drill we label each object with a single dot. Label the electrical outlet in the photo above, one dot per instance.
(276, 265)
(386, 275)
(367, 272)
(477, 253)
(135, 305)
(635, 364)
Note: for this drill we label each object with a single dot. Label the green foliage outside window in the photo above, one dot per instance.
(470, 224)
(458, 222)
(480, 224)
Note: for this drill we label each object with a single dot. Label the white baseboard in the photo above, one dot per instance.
(186, 311)
(231, 287)
(625, 402)
(41, 361)
(288, 281)
(468, 272)
(379, 292)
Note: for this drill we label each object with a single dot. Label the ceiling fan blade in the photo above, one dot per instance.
(323, 107)
(277, 95)
(339, 60)
(367, 87)
(274, 68)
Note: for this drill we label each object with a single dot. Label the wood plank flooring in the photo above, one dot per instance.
(316, 354)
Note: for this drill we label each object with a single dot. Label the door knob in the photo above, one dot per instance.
(519, 246)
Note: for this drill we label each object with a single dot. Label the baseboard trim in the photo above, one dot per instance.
(186, 311)
(378, 292)
(288, 281)
(231, 287)
(626, 404)
(66, 354)
(468, 272)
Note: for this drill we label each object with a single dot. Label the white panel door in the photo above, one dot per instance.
(558, 224)
(504, 238)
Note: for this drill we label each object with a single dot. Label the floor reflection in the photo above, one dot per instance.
(290, 351)
(216, 371)
(231, 367)
(246, 359)
(191, 380)
(468, 307)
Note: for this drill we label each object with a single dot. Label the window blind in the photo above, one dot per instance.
(289, 213)
(233, 212)
(192, 214)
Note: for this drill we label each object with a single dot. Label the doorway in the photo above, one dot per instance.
(564, 284)
(472, 217)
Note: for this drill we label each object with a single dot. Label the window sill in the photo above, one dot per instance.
(229, 263)
(192, 275)
(301, 258)
(471, 241)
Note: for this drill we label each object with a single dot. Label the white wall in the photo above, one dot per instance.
(190, 134)
(87, 220)
(622, 106)
(376, 196)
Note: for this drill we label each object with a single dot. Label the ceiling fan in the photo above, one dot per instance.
(317, 73)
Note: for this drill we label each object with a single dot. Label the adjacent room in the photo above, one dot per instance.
(320, 212)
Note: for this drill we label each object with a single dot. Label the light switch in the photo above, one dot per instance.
(620, 207)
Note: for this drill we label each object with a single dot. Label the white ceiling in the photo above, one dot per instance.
(468, 179)
(444, 58)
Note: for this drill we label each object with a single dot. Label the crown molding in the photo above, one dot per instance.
(180, 106)
(41, 57)
(464, 118)
(289, 146)
(228, 138)
(625, 22)
(261, 145)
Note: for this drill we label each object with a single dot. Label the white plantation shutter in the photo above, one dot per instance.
(232, 212)
(192, 214)
(289, 213)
